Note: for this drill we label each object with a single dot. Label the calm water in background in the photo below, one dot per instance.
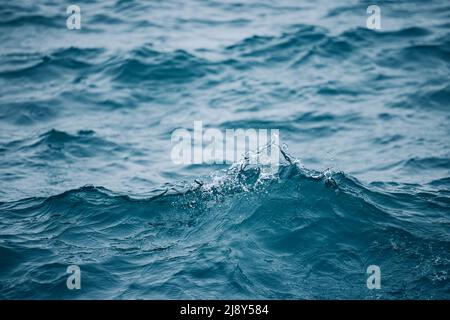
(86, 118)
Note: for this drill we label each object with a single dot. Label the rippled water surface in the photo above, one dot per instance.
(86, 178)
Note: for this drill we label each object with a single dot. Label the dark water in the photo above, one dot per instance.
(86, 177)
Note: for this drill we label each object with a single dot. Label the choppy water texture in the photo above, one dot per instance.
(86, 177)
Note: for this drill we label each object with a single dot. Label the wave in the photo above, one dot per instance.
(27, 112)
(371, 102)
(58, 145)
(51, 65)
(430, 97)
(322, 228)
(271, 50)
(145, 64)
(19, 20)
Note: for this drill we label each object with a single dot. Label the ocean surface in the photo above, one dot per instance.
(86, 176)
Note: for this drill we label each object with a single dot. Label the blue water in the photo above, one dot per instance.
(86, 178)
